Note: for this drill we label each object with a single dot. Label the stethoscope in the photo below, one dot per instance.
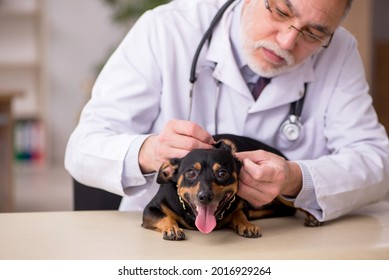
(290, 128)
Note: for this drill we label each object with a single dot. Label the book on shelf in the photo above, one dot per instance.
(29, 141)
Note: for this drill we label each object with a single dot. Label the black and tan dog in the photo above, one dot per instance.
(199, 190)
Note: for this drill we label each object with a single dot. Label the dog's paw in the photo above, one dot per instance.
(174, 233)
(311, 221)
(248, 230)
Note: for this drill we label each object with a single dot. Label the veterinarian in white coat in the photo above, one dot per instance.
(340, 158)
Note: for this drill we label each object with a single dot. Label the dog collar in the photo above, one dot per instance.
(181, 200)
(220, 216)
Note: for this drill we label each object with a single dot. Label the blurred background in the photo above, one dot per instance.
(50, 54)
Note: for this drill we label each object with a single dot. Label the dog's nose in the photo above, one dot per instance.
(205, 196)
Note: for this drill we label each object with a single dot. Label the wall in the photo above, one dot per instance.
(80, 34)
(359, 22)
(381, 61)
(381, 20)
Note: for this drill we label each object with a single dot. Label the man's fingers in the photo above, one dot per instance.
(192, 130)
(254, 172)
(255, 156)
(256, 183)
(179, 137)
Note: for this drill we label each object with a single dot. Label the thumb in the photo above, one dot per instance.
(249, 166)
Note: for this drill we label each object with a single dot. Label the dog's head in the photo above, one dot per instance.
(206, 181)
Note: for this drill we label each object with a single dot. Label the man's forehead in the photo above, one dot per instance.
(291, 8)
(320, 14)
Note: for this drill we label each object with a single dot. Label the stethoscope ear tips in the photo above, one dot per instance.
(291, 128)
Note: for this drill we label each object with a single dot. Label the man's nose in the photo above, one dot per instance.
(287, 39)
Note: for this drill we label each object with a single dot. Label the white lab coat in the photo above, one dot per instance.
(146, 83)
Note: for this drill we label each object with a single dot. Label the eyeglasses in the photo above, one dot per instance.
(283, 16)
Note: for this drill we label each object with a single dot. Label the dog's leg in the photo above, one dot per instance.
(277, 208)
(310, 220)
(163, 221)
(170, 229)
(243, 227)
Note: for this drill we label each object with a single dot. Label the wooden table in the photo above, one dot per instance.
(95, 235)
(6, 149)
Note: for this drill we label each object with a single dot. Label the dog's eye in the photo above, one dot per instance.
(191, 174)
(222, 174)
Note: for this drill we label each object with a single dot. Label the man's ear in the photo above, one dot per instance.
(225, 144)
(168, 171)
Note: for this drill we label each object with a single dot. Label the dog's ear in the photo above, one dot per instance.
(225, 144)
(238, 164)
(228, 145)
(168, 171)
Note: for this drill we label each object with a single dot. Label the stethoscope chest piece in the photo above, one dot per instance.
(291, 128)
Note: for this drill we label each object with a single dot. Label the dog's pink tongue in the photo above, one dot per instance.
(205, 220)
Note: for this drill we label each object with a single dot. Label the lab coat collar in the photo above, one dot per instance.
(285, 88)
(220, 52)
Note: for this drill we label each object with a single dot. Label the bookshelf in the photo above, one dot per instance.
(23, 67)
(6, 170)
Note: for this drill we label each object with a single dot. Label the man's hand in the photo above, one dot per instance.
(176, 139)
(265, 175)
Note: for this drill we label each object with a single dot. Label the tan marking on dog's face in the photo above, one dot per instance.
(218, 177)
(179, 181)
(223, 195)
(224, 174)
(189, 194)
(216, 167)
(197, 166)
(220, 190)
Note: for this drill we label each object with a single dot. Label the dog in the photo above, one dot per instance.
(199, 190)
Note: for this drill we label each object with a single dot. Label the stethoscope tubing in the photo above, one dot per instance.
(207, 36)
(296, 107)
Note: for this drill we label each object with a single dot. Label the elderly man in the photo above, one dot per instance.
(315, 108)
